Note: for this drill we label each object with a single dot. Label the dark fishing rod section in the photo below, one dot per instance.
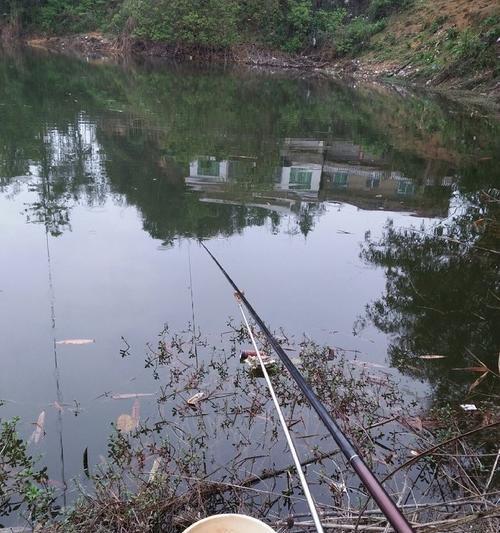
(371, 483)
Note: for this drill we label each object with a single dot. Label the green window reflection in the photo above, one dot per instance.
(208, 167)
(300, 178)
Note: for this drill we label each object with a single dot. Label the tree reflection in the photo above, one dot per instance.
(84, 131)
(442, 293)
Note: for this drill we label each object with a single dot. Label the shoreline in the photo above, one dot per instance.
(98, 46)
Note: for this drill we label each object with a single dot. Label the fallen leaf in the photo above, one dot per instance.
(338, 487)
(432, 356)
(86, 462)
(196, 399)
(479, 223)
(39, 432)
(127, 396)
(76, 342)
(154, 469)
(488, 417)
(478, 381)
(414, 422)
(125, 423)
(432, 423)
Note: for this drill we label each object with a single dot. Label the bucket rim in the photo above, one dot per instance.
(229, 515)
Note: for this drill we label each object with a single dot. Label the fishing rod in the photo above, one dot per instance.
(291, 445)
(371, 483)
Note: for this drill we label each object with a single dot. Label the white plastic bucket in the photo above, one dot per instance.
(229, 523)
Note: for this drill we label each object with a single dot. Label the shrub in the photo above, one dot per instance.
(354, 36)
(327, 23)
(467, 45)
(58, 16)
(210, 23)
(379, 9)
(22, 486)
(299, 23)
(259, 17)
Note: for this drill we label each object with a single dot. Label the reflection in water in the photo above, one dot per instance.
(201, 154)
(313, 170)
(442, 294)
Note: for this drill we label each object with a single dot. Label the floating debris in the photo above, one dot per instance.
(39, 428)
(154, 469)
(125, 423)
(128, 396)
(58, 406)
(195, 400)
(76, 342)
(252, 360)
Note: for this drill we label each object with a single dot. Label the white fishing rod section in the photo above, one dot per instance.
(291, 445)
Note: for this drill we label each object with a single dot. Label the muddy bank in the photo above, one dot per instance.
(483, 87)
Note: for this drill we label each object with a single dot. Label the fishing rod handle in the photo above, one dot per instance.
(379, 494)
(371, 483)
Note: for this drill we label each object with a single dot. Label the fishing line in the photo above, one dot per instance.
(291, 446)
(371, 483)
(57, 374)
(195, 347)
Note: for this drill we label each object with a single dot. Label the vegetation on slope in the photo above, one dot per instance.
(292, 25)
(439, 41)
(432, 41)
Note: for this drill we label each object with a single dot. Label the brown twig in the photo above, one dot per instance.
(436, 447)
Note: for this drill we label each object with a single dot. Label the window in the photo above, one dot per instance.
(406, 187)
(208, 167)
(300, 178)
(340, 179)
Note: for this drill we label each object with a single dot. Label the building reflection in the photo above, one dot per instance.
(313, 171)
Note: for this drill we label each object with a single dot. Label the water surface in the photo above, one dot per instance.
(110, 174)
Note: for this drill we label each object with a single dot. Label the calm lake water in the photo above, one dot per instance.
(305, 189)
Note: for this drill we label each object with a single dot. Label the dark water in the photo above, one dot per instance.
(305, 189)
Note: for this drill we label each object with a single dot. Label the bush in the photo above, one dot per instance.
(22, 485)
(209, 23)
(379, 9)
(474, 50)
(298, 25)
(259, 17)
(294, 25)
(467, 45)
(354, 36)
(327, 23)
(58, 16)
